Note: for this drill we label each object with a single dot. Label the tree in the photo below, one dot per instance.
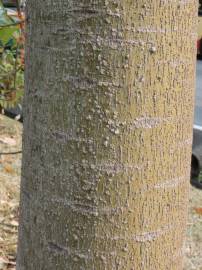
(107, 134)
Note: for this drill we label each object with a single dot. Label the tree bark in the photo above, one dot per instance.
(107, 134)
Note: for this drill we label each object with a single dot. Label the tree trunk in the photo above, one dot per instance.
(107, 134)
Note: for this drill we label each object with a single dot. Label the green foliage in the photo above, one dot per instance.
(8, 25)
(11, 60)
(11, 74)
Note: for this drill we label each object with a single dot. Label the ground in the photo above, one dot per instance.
(10, 141)
(193, 250)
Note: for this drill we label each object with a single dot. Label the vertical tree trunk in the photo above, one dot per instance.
(107, 134)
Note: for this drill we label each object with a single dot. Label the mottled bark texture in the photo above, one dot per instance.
(107, 134)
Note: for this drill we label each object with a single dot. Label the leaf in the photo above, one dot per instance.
(3, 263)
(8, 169)
(9, 141)
(17, 34)
(198, 210)
(14, 223)
(18, 117)
(10, 43)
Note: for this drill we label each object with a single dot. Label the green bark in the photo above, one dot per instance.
(107, 134)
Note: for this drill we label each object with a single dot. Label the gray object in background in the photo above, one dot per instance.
(197, 138)
(9, 3)
(12, 3)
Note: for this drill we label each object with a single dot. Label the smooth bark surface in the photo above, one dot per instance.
(107, 134)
